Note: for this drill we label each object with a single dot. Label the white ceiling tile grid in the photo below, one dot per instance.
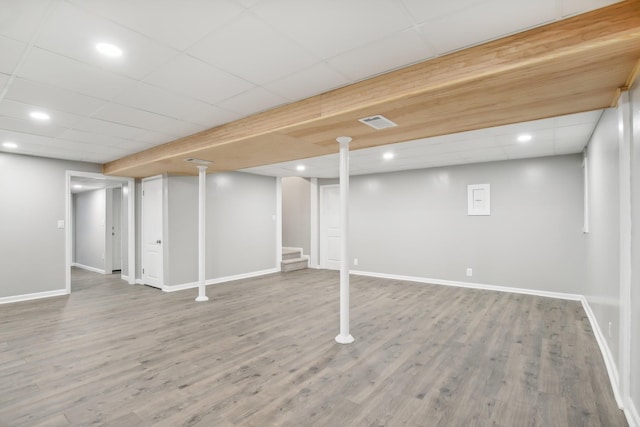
(191, 65)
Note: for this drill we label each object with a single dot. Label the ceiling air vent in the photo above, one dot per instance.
(378, 122)
(198, 161)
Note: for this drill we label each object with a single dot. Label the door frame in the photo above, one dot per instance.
(322, 220)
(131, 223)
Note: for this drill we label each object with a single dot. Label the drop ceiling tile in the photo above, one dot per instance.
(146, 120)
(471, 144)
(314, 80)
(178, 24)
(48, 151)
(248, 3)
(533, 149)
(154, 99)
(23, 138)
(53, 98)
(151, 138)
(212, 116)
(56, 70)
(253, 101)
(579, 134)
(574, 7)
(422, 11)
(135, 146)
(74, 33)
(539, 136)
(20, 111)
(10, 54)
(29, 127)
(516, 129)
(244, 43)
(589, 117)
(398, 50)
(104, 127)
(567, 149)
(484, 155)
(92, 138)
(194, 78)
(62, 142)
(444, 32)
(329, 28)
(19, 20)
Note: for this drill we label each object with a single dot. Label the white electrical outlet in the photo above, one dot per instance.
(355, 261)
(469, 272)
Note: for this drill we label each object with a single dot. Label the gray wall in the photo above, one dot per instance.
(602, 288)
(296, 215)
(415, 223)
(32, 248)
(241, 229)
(182, 230)
(635, 249)
(89, 216)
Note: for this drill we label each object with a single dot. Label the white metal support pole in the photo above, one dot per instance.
(344, 337)
(202, 200)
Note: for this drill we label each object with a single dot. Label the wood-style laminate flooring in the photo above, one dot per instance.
(261, 352)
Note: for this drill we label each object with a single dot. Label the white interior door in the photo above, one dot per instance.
(330, 230)
(116, 230)
(152, 258)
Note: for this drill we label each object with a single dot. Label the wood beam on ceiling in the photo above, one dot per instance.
(566, 67)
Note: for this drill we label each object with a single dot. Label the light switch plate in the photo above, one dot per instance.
(61, 223)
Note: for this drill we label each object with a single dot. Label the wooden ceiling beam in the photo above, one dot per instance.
(565, 67)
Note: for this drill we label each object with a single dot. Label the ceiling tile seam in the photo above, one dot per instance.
(255, 84)
(51, 8)
(287, 102)
(285, 36)
(121, 25)
(416, 27)
(38, 83)
(76, 118)
(197, 58)
(212, 30)
(163, 115)
(177, 52)
(558, 13)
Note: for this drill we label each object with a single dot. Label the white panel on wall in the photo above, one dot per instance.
(479, 199)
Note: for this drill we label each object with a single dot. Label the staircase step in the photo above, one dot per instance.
(294, 264)
(291, 253)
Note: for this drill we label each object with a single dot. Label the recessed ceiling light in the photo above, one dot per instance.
(9, 144)
(77, 186)
(388, 155)
(108, 49)
(39, 115)
(525, 137)
(301, 168)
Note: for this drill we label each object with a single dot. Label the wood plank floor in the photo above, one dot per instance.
(261, 352)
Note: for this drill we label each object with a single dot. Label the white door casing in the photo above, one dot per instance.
(152, 245)
(330, 230)
(116, 230)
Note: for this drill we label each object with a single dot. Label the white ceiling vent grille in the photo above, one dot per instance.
(198, 161)
(378, 122)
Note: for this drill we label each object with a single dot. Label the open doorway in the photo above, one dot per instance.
(100, 237)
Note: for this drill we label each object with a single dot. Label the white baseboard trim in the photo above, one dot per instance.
(631, 413)
(36, 295)
(88, 268)
(217, 280)
(609, 361)
(560, 295)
